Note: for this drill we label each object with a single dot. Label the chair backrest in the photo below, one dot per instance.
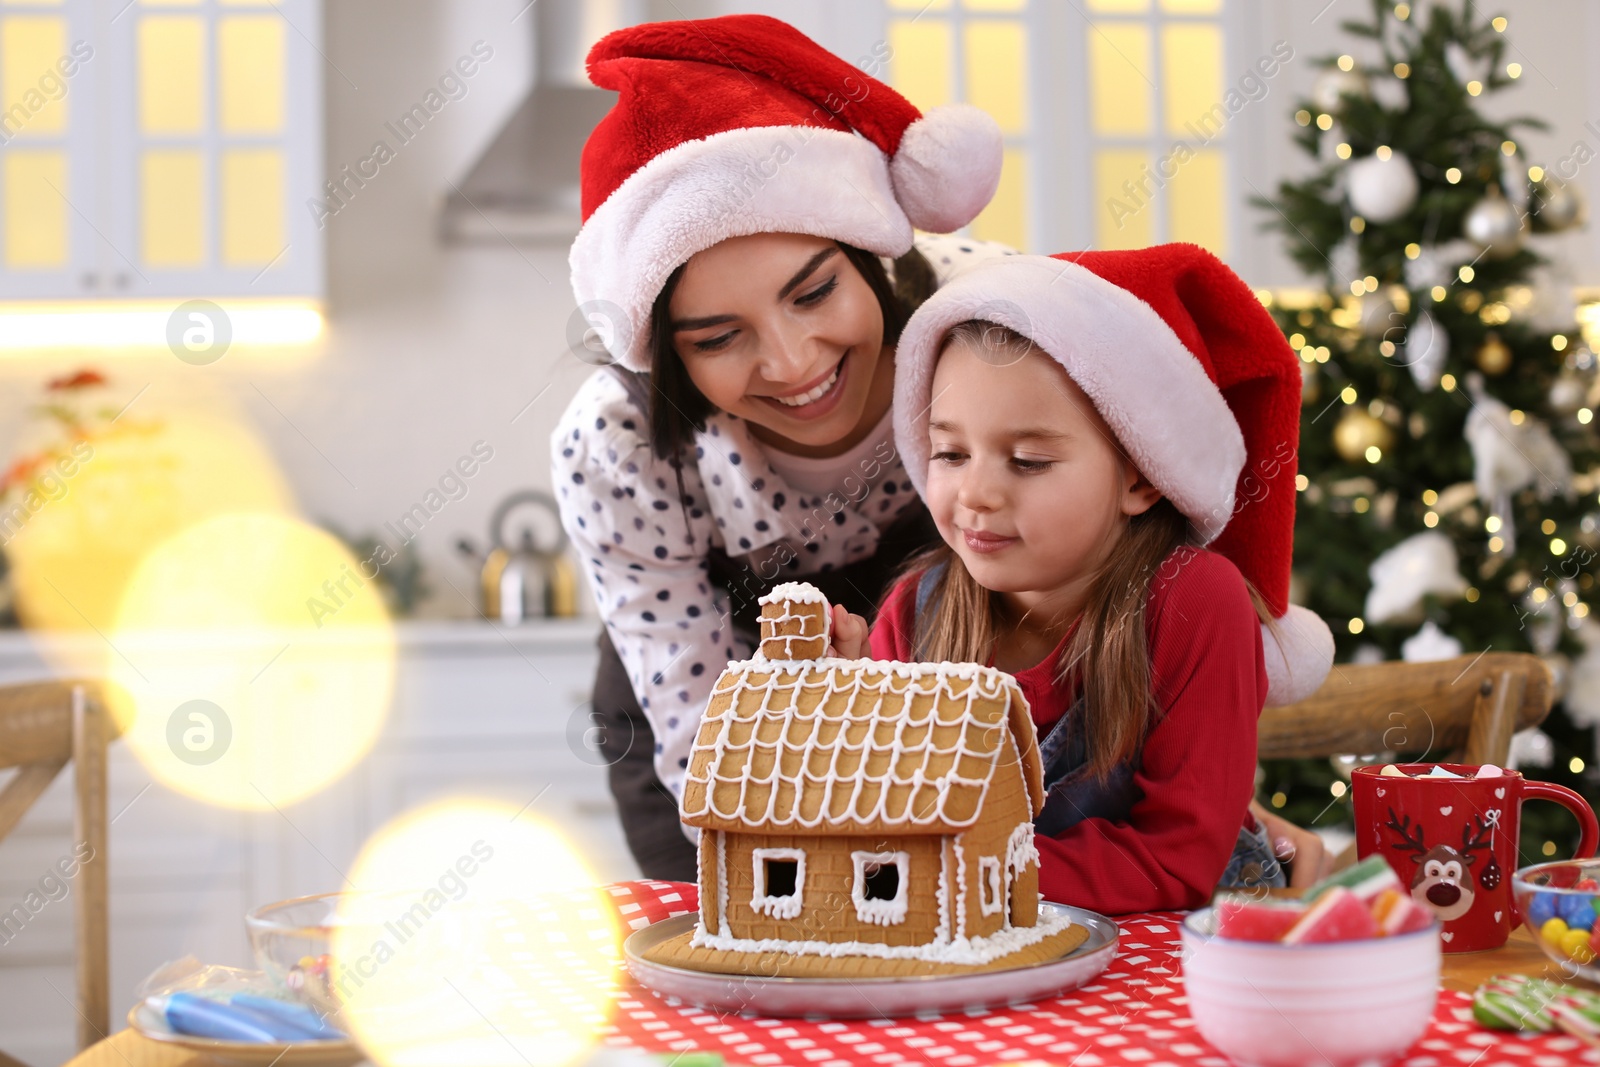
(1457, 710)
(42, 727)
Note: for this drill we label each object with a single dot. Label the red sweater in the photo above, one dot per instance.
(1197, 769)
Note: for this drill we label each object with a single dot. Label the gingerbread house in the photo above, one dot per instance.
(865, 811)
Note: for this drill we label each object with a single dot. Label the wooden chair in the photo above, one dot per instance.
(42, 726)
(1461, 710)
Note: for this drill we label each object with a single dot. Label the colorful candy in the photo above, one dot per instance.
(1367, 879)
(1516, 1002)
(1553, 930)
(1542, 908)
(1396, 913)
(1577, 911)
(1245, 919)
(1337, 915)
(1575, 943)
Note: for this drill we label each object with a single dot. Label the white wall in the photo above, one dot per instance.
(429, 349)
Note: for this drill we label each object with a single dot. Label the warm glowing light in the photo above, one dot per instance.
(1452, 175)
(1447, 382)
(479, 937)
(1383, 151)
(1297, 340)
(1514, 71)
(1347, 63)
(1585, 416)
(1536, 174)
(1430, 519)
(1413, 250)
(1357, 625)
(1301, 483)
(143, 324)
(1496, 544)
(1558, 342)
(1471, 595)
(1499, 24)
(1303, 117)
(1348, 394)
(252, 661)
(1342, 150)
(1402, 70)
(1508, 148)
(1374, 453)
(1492, 524)
(1324, 122)
(1338, 789)
(1279, 799)
(1558, 547)
(1548, 526)
(1438, 293)
(1575, 765)
(1474, 87)
(1429, 497)
(150, 474)
(1466, 273)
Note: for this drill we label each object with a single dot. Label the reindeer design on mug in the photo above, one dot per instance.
(1443, 879)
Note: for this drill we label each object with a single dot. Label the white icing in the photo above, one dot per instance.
(788, 594)
(990, 893)
(799, 592)
(961, 890)
(1020, 850)
(880, 912)
(789, 905)
(942, 934)
(847, 679)
(722, 885)
(977, 950)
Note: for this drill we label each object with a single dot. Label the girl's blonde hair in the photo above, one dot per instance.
(1108, 653)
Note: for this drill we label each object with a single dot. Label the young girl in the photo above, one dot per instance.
(1079, 428)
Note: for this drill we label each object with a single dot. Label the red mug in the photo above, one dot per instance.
(1453, 841)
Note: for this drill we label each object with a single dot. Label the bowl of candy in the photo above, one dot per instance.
(1558, 902)
(1347, 974)
(290, 940)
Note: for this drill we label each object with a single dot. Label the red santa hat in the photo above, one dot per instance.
(740, 125)
(1191, 374)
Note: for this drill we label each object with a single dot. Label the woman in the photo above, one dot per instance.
(739, 202)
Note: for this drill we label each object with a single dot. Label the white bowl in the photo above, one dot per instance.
(1267, 1004)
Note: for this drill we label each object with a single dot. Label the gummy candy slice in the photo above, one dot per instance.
(1366, 880)
(1245, 919)
(1337, 915)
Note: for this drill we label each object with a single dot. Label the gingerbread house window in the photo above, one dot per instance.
(780, 881)
(880, 886)
(990, 900)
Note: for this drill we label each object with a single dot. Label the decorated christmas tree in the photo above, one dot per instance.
(1449, 459)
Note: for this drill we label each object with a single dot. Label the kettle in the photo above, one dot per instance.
(526, 578)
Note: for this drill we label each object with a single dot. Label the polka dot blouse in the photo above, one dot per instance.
(644, 548)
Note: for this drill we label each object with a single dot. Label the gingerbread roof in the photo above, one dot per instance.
(866, 746)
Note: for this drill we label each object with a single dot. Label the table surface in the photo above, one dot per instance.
(1462, 972)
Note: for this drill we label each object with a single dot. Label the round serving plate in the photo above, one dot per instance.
(873, 998)
(149, 1023)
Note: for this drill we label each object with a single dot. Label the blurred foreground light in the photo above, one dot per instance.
(252, 661)
(476, 935)
(140, 481)
(143, 324)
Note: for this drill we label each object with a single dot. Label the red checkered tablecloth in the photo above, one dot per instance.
(1134, 1013)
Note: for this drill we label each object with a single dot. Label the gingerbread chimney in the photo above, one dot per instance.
(794, 623)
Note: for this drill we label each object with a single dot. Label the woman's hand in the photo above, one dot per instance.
(1311, 862)
(849, 635)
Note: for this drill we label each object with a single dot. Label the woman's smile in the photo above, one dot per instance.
(986, 541)
(817, 397)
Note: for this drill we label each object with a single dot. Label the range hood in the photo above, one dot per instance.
(524, 187)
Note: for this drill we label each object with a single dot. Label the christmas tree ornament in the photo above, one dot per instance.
(1494, 355)
(1381, 190)
(1514, 181)
(1344, 263)
(1557, 205)
(1568, 391)
(1356, 431)
(1429, 644)
(1333, 85)
(1380, 314)
(1582, 696)
(1531, 748)
(1390, 93)
(1427, 347)
(1494, 225)
(1509, 456)
(1424, 564)
(1489, 877)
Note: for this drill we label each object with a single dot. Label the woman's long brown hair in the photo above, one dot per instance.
(1108, 655)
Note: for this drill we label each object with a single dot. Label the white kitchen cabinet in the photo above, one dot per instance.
(173, 151)
(478, 710)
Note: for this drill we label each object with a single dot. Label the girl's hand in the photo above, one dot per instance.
(1302, 849)
(849, 635)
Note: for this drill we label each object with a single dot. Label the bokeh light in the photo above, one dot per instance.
(144, 480)
(477, 936)
(251, 661)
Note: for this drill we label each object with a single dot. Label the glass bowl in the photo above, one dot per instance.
(291, 942)
(1550, 891)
